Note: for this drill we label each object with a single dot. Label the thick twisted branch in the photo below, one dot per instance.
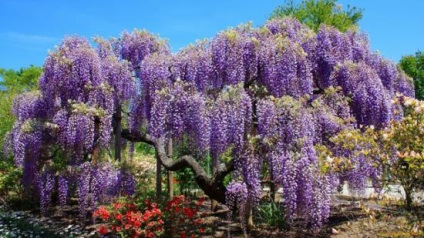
(212, 186)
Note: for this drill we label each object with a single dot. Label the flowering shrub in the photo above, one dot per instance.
(183, 217)
(125, 219)
(395, 151)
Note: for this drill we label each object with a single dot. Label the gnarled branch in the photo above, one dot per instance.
(136, 137)
(212, 186)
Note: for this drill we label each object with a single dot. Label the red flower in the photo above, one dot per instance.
(118, 216)
(200, 201)
(103, 230)
(118, 229)
(176, 209)
(201, 229)
(127, 226)
(183, 235)
(137, 223)
(151, 224)
(102, 213)
(150, 234)
(131, 206)
(117, 205)
(189, 213)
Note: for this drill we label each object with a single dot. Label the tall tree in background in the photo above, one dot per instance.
(414, 67)
(23, 80)
(313, 13)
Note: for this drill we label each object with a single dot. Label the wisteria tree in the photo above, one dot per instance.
(250, 99)
(61, 129)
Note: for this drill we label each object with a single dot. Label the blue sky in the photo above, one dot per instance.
(29, 28)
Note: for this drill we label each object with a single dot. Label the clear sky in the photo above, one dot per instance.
(28, 28)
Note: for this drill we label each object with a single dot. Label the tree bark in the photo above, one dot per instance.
(118, 131)
(170, 176)
(158, 176)
(96, 150)
(212, 186)
(408, 197)
(214, 203)
(272, 185)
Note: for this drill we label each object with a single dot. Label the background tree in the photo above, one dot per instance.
(313, 13)
(413, 65)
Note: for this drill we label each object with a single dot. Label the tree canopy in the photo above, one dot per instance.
(313, 13)
(25, 79)
(413, 65)
(249, 99)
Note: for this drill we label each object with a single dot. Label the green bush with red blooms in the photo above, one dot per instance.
(183, 217)
(179, 217)
(125, 219)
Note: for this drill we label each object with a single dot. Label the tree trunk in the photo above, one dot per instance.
(247, 217)
(96, 150)
(158, 176)
(408, 198)
(214, 203)
(212, 186)
(272, 185)
(118, 130)
(170, 177)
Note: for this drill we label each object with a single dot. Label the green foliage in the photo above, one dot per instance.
(272, 214)
(414, 67)
(144, 149)
(9, 177)
(6, 117)
(313, 13)
(23, 80)
(185, 180)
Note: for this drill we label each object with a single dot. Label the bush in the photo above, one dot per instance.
(10, 177)
(125, 219)
(179, 216)
(272, 214)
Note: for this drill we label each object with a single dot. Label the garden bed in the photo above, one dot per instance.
(349, 217)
